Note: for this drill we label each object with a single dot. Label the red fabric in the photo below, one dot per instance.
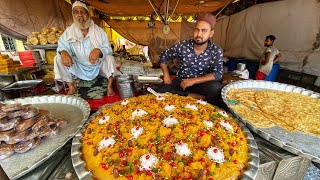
(95, 104)
(260, 75)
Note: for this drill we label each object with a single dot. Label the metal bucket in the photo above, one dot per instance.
(241, 66)
(125, 86)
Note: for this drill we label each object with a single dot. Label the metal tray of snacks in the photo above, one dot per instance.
(45, 46)
(296, 142)
(26, 84)
(83, 174)
(73, 109)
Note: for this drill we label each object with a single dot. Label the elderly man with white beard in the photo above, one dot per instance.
(83, 51)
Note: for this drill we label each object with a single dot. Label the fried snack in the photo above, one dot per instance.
(55, 29)
(47, 35)
(34, 40)
(52, 39)
(43, 39)
(22, 127)
(45, 31)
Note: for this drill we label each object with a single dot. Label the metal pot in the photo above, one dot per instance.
(241, 66)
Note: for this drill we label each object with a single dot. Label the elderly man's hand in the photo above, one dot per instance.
(94, 55)
(187, 83)
(66, 59)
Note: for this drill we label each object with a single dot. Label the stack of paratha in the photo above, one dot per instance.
(267, 108)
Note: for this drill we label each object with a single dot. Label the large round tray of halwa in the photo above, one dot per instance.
(286, 115)
(164, 137)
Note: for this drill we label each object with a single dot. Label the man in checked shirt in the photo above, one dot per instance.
(201, 65)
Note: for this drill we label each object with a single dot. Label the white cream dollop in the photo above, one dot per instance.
(226, 125)
(193, 107)
(169, 121)
(169, 107)
(160, 98)
(106, 142)
(223, 113)
(182, 149)
(136, 131)
(104, 119)
(124, 102)
(202, 102)
(138, 112)
(148, 161)
(208, 123)
(215, 154)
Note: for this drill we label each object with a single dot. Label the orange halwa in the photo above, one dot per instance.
(143, 138)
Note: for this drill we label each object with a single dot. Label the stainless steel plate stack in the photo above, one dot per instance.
(75, 111)
(83, 174)
(125, 86)
(298, 143)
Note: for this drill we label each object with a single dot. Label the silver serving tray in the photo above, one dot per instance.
(26, 84)
(75, 111)
(298, 143)
(83, 174)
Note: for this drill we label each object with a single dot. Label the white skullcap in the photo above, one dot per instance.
(78, 3)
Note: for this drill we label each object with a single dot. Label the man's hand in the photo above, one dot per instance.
(66, 59)
(94, 55)
(187, 83)
(167, 80)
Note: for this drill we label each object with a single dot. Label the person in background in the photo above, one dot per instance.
(83, 51)
(123, 51)
(201, 65)
(270, 55)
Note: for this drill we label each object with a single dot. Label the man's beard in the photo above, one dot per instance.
(84, 25)
(201, 43)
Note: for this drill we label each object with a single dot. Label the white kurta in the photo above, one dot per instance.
(79, 48)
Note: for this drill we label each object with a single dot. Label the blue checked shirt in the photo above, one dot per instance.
(191, 65)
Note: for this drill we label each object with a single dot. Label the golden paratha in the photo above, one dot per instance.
(289, 110)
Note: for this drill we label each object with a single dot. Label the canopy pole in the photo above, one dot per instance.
(223, 7)
(166, 11)
(156, 11)
(174, 9)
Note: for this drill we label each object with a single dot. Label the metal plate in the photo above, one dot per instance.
(26, 84)
(46, 46)
(295, 142)
(83, 174)
(75, 111)
(146, 80)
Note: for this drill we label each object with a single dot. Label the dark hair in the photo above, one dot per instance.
(271, 37)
